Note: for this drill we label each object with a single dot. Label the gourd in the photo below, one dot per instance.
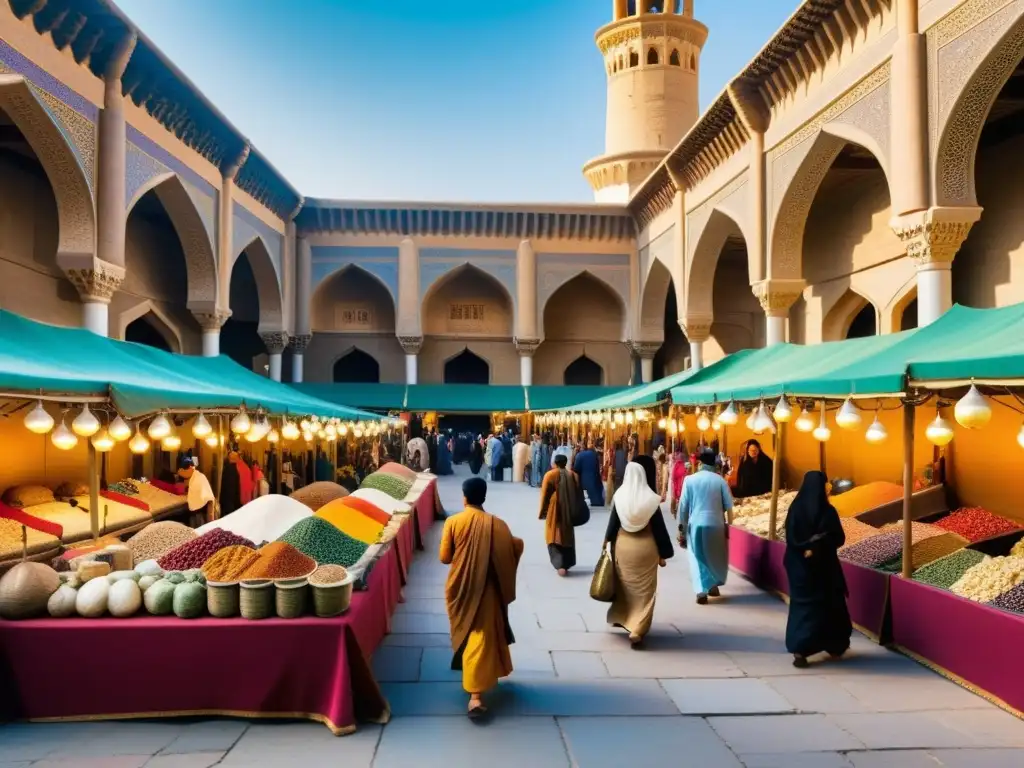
(159, 598)
(147, 581)
(149, 568)
(91, 601)
(125, 598)
(175, 577)
(117, 576)
(62, 602)
(25, 590)
(189, 600)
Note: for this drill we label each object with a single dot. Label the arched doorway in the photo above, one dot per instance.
(467, 368)
(583, 372)
(357, 367)
(256, 307)
(864, 324)
(851, 317)
(153, 331)
(908, 320)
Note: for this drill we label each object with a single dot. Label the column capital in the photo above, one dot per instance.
(645, 350)
(211, 319)
(934, 236)
(526, 347)
(96, 281)
(300, 342)
(411, 345)
(696, 329)
(275, 341)
(777, 296)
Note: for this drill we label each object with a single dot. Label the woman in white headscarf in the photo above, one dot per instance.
(640, 544)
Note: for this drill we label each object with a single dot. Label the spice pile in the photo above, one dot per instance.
(328, 574)
(759, 524)
(364, 505)
(761, 505)
(262, 519)
(352, 522)
(279, 560)
(975, 524)
(324, 543)
(1011, 601)
(393, 485)
(393, 468)
(856, 531)
(865, 497)
(230, 563)
(158, 539)
(194, 553)
(874, 551)
(316, 495)
(926, 551)
(947, 570)
(1018, 548)
(989, 579)
(918, 531)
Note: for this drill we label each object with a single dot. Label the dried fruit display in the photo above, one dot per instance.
(192, 554)
(975, 523)
(874, 551)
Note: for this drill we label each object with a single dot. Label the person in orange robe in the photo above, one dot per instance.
(484, 556)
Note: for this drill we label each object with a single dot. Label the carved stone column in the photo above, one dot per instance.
(776, 298)
(298, 343)
(909, 124)
(303, 285)
(646, 350)
(526, 349)
(697, 330)
(276, 342)
(412, 346)
(96, 282)
(211, 322)
(526, 291)
(933, 238)
(112, 153)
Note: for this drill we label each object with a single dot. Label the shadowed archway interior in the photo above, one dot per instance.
(239, 338)
(674, 351)
(467, 368)
(357, 367)
(863, 324)
(583, 372)
(142, 331)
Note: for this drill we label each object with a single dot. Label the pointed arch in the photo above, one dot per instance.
(467, 367)
(200, 261)
(471, 286)
(153, 316)
(903, 308)
(652, 56)
(71, 186)
(268, 288)
(634, 59)
(357, 289)
(583, 372)
(652, 304)
(354, 366)
(841, 316)
(700, 282)
(587, 304)
(673, 58)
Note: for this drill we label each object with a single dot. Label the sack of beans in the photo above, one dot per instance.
(25, 590)
(874, 551)
(316, 495)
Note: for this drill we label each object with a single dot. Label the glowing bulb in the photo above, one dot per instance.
(253, 435)
(201, 427)
(783, 411)
(171, 443)
(629, 417)
(273, 437)
(619, 418)
(848, 416)
(972, 410)
(321, 434)
(139, 443)
(307, 436)
(716, 424)
(331, 430)
(212, 440)
(804, 422)
(304, 425)
(751, 420)
(762, 421)
(730, 416)
(939, 432)
(159, 428)
(102, 441)
(85, 424)
(662, 423)
(119, 429)
(1020, 437)
(241, 424)
(290, 431)
(38, 420)
(703, 422)
(332, 438)
(63, 437)
(357, 433)
(343, 430)
(876, 432)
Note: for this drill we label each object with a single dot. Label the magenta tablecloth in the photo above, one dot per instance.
(426, 505)
(973, 644)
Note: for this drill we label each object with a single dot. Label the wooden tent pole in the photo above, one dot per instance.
(773, 507)
(908, 488)
(219, 463)
(94, 493)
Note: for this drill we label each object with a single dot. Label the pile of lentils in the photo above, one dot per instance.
(946, 571)
(926, 551)
(856, 531)
(158, 539)
(324, 543)
(874, 551)
(193, 554)
(1011, 601)
(318, 494)
(975, 524)
(394, 486)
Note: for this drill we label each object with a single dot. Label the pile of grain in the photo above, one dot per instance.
(279, 560)
(393, 485)
(989, 579)
(262, 519)
(387, 504)
(856, 531)
(328, 574)
(324, 543)
(874, 551)
(367, 508)
(393, 468)
(865, 497)
(761, 505)
(759, 524)
(918, 531)
(947, 570)
(230, 563)
(194, 553)
(1011, 601)
(156, 540)
(927, 550)
(316, 495)
(352, 522)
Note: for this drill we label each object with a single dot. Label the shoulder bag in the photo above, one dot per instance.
(602, 586)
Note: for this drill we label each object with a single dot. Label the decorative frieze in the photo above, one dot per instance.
(300, 342)
(526, 347)
(696, 329)
(212, 320)
(275, 341)
(645, 350)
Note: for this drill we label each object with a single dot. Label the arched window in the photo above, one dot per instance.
(634, 59)
(467, 368)
(693, 62)
(863, 324)
(673, 58)
(583, 372)
(357, 367)
(142, 331)
(652, 56)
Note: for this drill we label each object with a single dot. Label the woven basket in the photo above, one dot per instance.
(222, 599)
(290, 597)
(332, 599)
(256, 599)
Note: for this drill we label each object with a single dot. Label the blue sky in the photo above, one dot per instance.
(411, 100)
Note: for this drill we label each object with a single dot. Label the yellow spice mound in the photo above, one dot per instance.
(865, 497)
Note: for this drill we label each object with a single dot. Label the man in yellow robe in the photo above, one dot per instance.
(483, 555)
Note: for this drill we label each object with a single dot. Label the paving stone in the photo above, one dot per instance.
(109, 761)
(129, 738)
(816, 694)
(309, 745)
(578, 665)
(419, 640)
(797, 760)
(557, 619)
(989, 727)
(765, 734)
(397, 664)
(207, 736)
(978, 758)
(190, 760)
(741, 696)
(531, 662)
(612, 742)
(901, 758)
(911, 691)
(420, 623)
(436, 666)
(901, 730)
(654, 664)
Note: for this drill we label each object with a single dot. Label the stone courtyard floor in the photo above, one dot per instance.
(714, 688)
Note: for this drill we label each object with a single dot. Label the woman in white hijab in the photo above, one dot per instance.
(640, 543)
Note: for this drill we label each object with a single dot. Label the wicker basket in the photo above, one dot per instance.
(332, 599)
(222, 599)
(290, 597)
(256, 598)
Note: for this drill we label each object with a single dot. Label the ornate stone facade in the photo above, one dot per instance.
(276, 342)
(934, 236)
(98, 282)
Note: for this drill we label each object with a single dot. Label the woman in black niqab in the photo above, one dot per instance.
(818, 618)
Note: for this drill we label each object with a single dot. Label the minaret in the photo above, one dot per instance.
(652, 57)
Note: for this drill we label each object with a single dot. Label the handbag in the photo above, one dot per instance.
(581, 512)
(602, 586)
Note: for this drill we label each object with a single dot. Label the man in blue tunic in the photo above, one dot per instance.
(588, 468)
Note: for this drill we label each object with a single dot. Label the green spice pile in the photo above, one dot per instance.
(394, 486)
(948, 570)
(318, 539)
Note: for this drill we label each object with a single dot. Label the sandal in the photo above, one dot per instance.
(713, 592)
(800, 662)
(702, 599)
(477, 713)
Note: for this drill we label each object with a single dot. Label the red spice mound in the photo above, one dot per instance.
(279, 560)
(975, 524)
(192, 554)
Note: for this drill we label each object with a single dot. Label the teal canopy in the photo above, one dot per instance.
(466, 398)
(550, 398)
(383, 397)
(966, 343)
(36, 358)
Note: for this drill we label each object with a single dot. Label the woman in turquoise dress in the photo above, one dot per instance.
(703, 529)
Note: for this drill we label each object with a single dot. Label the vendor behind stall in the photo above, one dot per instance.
(754, 475)
(200, 494)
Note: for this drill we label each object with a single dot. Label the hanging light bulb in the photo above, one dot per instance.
(253, 435)
(331, 430)
(730, 416)
(38, 420)
(85, 424)
(273, 437)
(63, 437)
(321, 434)
(848, 416)
(673, 427)
(972, 410)
(876, 432)
(290, 431)
(201, 427)
(139, 443)
(357, 433)
(751, 419)
(212, 440)
(939, 432)
(307, 436)
(241, 423)
(662, 423)
(822, 433)
(304, 425)
(804, 422)
(762, 420)
(343, 430)
(629, 417)
(716, 425)
(1020, 437)
(102, 441)
(703, 422)
(332, 438)
(119, 429)
(783, 411)
(159, 428)
(619, 418)
(171, 443)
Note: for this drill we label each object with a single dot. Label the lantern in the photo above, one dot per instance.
(159, 428)
(876, 432)
(102, 441)
(939, 432)
(201, 427)
(119, 429)
(848, 416)
(730, 416)
(38, 420)
(972, 410)
(240, 423)
(139, 443)
(63, 438)
(804, 422)
(783, 412)
(85, 424)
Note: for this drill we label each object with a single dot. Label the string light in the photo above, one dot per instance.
(85, 424)
(38, 420)
(848, 416)
(212, 440)
(102, 441)
(241, 424)
(822, 433)
(703, 422)
(804, 422)
(171, 443)
(939, 432)
(139, 443)
(783, 411)
(730, 416)
(972, 411)
(201, 427)
(289, 431)
(762, 421)
(63, 438)
(876, 432)
(159, 428)
(119, 429)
